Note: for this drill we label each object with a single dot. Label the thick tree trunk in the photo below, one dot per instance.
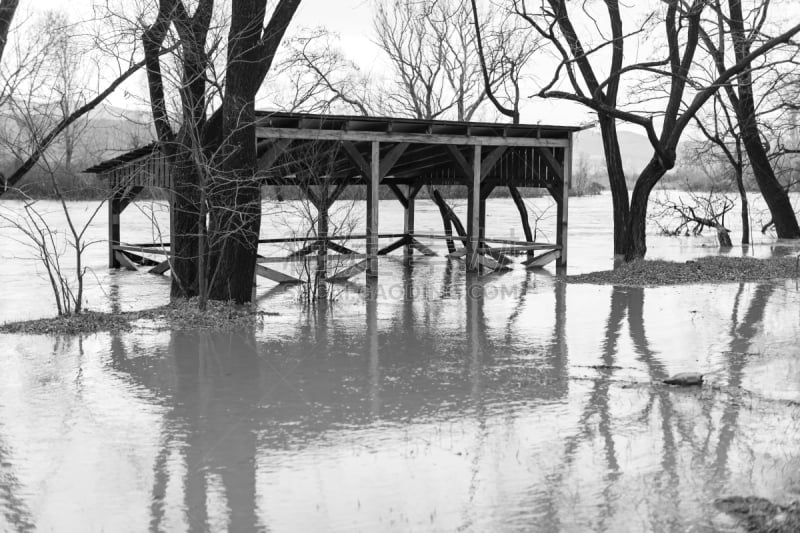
(775, 196)
(185, 226)
(236, 203)
(616, 182)
(188, 223)
(636, 246)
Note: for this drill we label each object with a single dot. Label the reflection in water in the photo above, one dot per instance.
(449, 405)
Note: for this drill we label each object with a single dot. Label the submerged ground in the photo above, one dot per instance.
(435, 401)
(430, 401)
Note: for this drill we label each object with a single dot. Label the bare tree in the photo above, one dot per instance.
(432, 48)
(722, 151)
(742, 33)
(217, 198)
(581, 65)
(43, 97)
(314, 76)
(20, 71)
(692, 214)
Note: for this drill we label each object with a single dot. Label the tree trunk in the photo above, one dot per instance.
(745, 207)
(236, 205)
(636, 245)
(185, 225)
(775, 196)
(616, 182)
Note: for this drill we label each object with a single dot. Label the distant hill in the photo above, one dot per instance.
(636, 150)
(112, 131)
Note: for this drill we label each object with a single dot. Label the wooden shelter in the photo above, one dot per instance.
(324, 154)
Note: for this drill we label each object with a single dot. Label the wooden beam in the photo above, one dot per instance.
(113, 230)
(543, 259)
(305, 250)
(563, 207)
(124, 261)
(160, 268)
(409, 215)
(394, 246)
(140, 249)
(357, 159)
(391, 158)
(373, 201)
(300, 259)
(491, 160)
(336, 247)
(551, 162)
(263, 132)
(340, 187)
(461, 164)
(274, 275)
(272, 154)
(488, 262)
(498, 254)
(349, 272)
(399, 194)
(422, 248)
(129, 196)
(140, 259)
(474, 210)
(486, 190)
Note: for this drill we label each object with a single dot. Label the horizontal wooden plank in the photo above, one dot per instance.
(160, 268)
(300, 259)
(140, 249)
(395, 137)
(349, 272)
(541, 260)
(278, 240)
(274, 275)
(124, 261)
(521, 249)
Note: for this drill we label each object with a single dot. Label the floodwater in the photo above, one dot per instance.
(431, 400)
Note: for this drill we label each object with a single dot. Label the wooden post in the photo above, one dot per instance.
(563, 206)
(474, 211)
(372, 209)
(114, 212)
(408, 218)
(322, 250)
(373, 347)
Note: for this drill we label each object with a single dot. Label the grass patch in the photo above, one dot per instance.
(178, 315)
(714, 269)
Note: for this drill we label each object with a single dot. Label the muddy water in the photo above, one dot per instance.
(428, 401)
(470, 407)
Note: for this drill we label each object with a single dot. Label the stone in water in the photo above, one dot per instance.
(685, 379)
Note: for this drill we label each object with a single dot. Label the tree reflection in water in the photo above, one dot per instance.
(237, 402)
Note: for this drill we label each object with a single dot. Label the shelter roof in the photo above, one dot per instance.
(278, 124)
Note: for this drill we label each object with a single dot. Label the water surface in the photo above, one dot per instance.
(432, 400)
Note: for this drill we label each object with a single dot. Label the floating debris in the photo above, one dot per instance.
(761, 515)
(685, 379)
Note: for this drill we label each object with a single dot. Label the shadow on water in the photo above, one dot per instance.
(439, 407)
